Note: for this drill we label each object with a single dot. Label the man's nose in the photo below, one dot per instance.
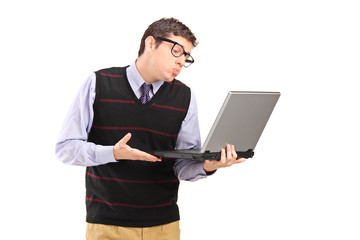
(181, 60)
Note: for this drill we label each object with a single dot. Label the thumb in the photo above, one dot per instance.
(125, 139)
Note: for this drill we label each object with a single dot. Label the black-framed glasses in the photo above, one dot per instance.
(178, 50)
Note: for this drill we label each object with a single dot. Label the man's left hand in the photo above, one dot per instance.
(227, 159)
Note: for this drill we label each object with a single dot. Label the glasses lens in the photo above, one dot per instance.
(177, 50)
(189, 61)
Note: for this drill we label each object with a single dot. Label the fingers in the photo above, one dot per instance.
(234, 152)
(235, 158)
(229, 157)
(125, 139)
(140, 155)
(222, 157)
(123, 151)
(240, 160)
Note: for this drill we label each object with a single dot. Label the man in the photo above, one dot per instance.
(118, 116)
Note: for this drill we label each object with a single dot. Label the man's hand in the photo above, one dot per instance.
(123, 151)
(226, 160)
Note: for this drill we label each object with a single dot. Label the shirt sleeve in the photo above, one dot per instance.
(189, 137)
(72, 147)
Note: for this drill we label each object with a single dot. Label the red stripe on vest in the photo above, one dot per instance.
(111, 75)
(129, 205)
(176, 83)
(169, 107)
(130, 181)
(136, 128)
(116, 100)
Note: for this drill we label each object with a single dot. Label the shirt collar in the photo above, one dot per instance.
(135, 80)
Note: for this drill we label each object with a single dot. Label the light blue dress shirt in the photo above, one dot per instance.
(72, 146)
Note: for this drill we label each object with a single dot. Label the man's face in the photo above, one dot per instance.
(166, 65)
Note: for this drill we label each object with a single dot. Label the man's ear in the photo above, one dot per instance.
(150, 43)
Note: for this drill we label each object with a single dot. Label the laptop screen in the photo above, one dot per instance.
(241, 120)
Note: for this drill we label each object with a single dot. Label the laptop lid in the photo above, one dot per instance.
(241, 120)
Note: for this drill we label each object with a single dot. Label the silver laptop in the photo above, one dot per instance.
(240, 121)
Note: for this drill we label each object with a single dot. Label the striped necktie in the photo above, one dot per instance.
(145, 89)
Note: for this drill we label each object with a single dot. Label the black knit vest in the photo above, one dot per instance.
(134, 193)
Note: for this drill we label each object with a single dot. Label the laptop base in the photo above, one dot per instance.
(196, 154)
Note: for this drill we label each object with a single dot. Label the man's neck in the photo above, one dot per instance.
(142, 68)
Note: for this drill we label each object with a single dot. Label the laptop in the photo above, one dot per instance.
(240, 122)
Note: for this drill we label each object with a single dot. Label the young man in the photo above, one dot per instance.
(118, 116)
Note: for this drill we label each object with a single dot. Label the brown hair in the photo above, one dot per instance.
(164, 28)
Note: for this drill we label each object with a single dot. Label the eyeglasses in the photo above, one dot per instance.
(178, 50)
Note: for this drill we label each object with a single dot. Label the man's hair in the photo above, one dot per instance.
(164, 28)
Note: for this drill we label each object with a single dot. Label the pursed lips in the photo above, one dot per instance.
(176, 71)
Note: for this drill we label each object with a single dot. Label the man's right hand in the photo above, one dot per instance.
(123, 151)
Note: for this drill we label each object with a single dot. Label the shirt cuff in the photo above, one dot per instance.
(104, 154)
(200, 172)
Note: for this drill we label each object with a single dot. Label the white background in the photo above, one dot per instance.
(303, 182)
